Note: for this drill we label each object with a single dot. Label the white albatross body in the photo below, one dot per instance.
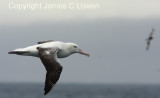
(64, 49)
(48, 51)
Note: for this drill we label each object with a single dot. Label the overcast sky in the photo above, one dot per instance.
(114, 34)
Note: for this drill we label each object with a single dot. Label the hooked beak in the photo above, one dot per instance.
(84, 53)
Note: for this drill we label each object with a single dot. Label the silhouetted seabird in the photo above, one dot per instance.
(149, 39)
(48, 51)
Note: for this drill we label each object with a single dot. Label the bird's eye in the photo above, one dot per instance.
(75, 46)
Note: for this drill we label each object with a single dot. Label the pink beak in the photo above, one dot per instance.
(84, 53)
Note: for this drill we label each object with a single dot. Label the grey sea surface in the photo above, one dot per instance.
(33, 90)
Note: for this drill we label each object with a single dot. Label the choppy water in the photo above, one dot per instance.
(79, 91)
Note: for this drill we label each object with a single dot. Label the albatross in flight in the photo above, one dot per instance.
(148, 40)
(48, 51)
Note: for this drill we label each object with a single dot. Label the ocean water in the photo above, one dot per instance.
(24, 90)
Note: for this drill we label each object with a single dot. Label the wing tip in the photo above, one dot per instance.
(10, 52)
(46, 92)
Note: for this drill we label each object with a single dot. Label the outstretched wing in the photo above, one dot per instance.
(41, 42)
(48, 57)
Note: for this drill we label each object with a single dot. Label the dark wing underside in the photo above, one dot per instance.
(41, 42)
(48, 57)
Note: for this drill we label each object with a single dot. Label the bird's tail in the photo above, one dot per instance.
(18, 52)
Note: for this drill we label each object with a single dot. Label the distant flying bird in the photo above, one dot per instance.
(48, 52)
(148, 40)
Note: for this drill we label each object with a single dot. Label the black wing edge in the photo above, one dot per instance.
(41, 42)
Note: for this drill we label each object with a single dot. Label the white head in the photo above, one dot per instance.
(73, 48)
